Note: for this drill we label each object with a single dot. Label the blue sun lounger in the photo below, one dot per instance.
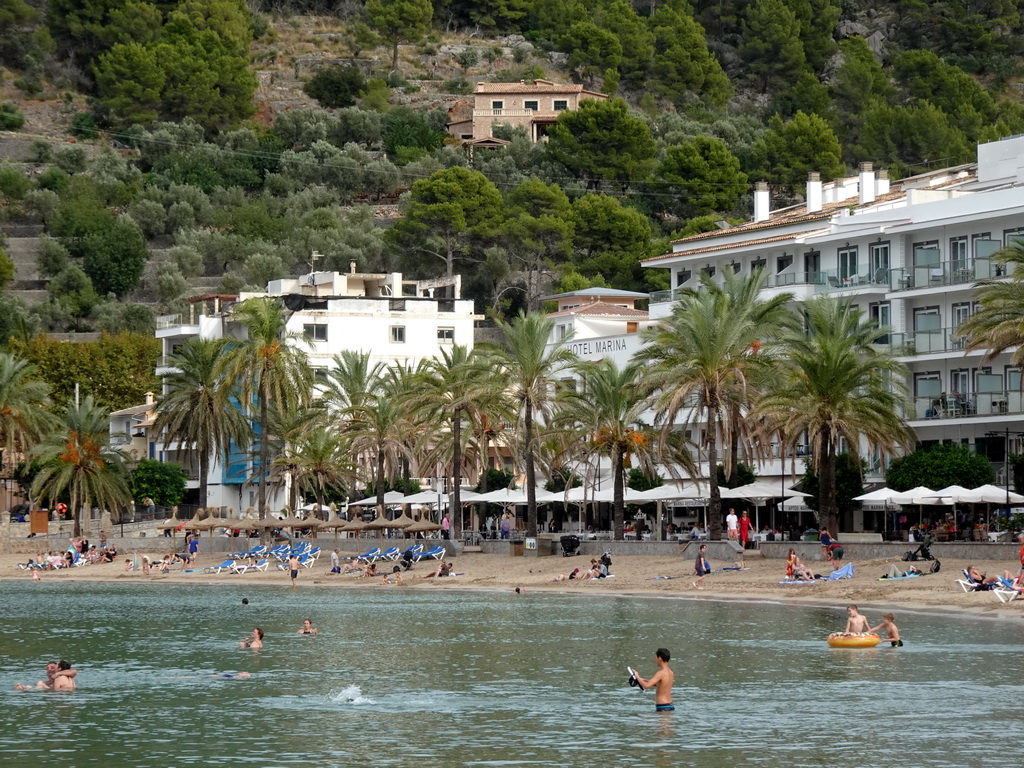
(225, 566)
(434, 553)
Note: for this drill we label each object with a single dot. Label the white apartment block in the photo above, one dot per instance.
(909, 253)
(396, 321)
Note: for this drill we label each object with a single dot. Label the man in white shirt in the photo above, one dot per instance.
(732, 524)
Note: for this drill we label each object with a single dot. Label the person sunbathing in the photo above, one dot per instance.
(593, 573)
(980, 580)
(443, 569)
(352, 568)
(369, 570)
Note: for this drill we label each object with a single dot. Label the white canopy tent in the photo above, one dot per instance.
(759, 492)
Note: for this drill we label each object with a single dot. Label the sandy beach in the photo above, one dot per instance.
(641, 575)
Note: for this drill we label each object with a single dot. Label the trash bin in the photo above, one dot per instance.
(517, 548)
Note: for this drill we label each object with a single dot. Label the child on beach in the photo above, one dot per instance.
(701, 566)
(891, 630)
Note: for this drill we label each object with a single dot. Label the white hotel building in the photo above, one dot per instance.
(909, 253)
(396, 321)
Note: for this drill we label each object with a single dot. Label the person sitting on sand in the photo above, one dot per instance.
(395, 577)
(593, 573)
(891, 630)
(575, 574)
(855, 623)
(307, 628)
(129, 565)
(443, 569)
(352, 567)
(369, 570)
(701, 566)
(797, 570)
(255, 642)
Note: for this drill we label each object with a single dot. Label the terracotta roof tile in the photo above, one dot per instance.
(542, 86)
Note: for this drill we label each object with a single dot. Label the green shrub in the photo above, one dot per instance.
(83, 125)
(13, 183)
(53, 178)
(41, 149)
(459, 85)
(336, 86)
(11, 118)
(71, 159)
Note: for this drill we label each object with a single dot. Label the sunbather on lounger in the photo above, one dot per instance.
(983, 581)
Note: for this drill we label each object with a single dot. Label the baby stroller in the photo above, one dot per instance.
(923, 551)
(570, 545)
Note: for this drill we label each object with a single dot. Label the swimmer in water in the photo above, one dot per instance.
(661, 682)
(891, 630)
(255, 642)
(59, 677)
(307, 628)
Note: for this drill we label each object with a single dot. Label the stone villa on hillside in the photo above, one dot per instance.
(534, 107)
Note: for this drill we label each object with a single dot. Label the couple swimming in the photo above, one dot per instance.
(59, 677)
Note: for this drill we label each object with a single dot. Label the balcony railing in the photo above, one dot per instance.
(945, 273)
(925, 342)
(167, 321)
(967, 406)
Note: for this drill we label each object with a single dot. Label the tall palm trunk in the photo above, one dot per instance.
(456, 498)
(380, 483)
(204, 470)
(618, 490)
(714, 494)
(531, 474)
(827, 508)
(264, 458)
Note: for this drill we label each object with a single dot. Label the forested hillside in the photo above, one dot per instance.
(217, 145)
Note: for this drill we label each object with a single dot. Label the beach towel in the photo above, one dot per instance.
(846, 572)
(798, 582)
(662, 578)
(735, 568)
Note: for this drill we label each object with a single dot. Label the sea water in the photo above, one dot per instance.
(448, 678)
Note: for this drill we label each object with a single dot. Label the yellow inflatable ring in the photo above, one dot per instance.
(853, 640)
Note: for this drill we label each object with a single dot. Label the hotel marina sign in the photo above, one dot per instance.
(619, 347)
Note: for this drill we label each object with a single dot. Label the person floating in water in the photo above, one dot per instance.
(891, 630)
(855, 624)
(661, 682)
(255, 642)
(307, 628)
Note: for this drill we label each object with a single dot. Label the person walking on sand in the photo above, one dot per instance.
(293, 568)
(701, 566)
(661, 682)
(855, 624)
(744, 529)
(732, 524)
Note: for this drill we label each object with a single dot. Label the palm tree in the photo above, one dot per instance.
(459, 386)
(24, 399)
(529, 362)
(707, 359)
(997, 326)
(840, 385)
(322, 461)
(378, 428)
(352, 378)
(77, 459)
(200, 409)
(605, 412)
(269, 371)
(287, 430)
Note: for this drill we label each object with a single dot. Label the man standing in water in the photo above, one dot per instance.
(661, 682)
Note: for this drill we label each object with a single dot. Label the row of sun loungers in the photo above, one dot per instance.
(416, 553)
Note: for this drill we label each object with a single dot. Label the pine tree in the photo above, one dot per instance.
(771, 45)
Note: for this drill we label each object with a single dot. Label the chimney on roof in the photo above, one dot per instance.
(882, 183)
(150, 398)
(814, 192)
(761, 202)
(867, 183)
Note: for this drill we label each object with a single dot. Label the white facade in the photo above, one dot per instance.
(394, 320)
(910, 253)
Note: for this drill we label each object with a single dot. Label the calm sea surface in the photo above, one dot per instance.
(450, 679)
